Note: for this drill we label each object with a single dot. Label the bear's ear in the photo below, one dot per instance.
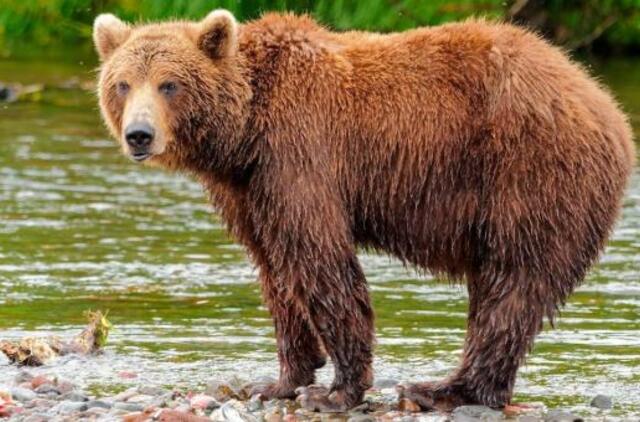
(109, 33)
(218, 35)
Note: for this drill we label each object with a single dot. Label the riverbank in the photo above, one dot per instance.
(42, 398)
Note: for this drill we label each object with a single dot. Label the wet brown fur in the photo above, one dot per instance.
(474, 150)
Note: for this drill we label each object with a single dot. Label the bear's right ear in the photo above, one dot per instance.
(218, 35)
(109, 33)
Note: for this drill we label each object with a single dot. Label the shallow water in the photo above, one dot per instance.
(84, 228)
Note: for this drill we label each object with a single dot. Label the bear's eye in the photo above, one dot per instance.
(168, 88)
(122, 88)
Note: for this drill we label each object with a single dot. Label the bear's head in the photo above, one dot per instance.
(174, 94)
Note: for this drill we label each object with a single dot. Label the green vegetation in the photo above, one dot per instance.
(597, 25)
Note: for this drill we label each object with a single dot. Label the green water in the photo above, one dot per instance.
(81, 228)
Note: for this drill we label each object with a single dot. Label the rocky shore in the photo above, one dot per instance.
(45, 398)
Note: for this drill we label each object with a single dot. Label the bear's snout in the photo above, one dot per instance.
(139, 136)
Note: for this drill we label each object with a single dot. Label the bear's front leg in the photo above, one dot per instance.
(307, 249)
(299, 350)
(340, 312)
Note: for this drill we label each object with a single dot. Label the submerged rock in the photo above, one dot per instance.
(602, 402)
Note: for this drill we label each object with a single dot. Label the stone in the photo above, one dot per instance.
(221, 391)
(39, 380)
(150, 390)
(22, 394)
(168, 415)
(46, 389)
(140, 398)
(67, 407)
(232, 411)
(125, 395)
(562, 416)
(529, 418)
(361, 418)
(255, 404)
(129, 407)
(22, 377)
(203, 402)
(64, 386)
(602, 402)
(40, 403)
(99, 404)
(37, 417)
(476, 413)
(74, 396)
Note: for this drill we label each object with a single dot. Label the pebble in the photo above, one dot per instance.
(39, 380)
(46, 389)
(99, 404)
(125, 395)
(37, 417)
(221, 391)
(561, 416)
(22, 394)
(602, 402)
(255, 404)
(64, 387)
(22, 377)
(361, 418)
(169, 415)
(40, 403)
(529, 418)
(152, 391)
(129, 407)
(140, 398)
(203, 402)
(74, 396)
(476, 413)
(232, 411)
(66, 407)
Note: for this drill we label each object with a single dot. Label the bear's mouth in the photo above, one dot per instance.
(140, 156)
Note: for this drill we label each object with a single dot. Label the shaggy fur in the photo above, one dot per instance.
(474, 150)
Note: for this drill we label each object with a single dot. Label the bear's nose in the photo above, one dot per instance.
(139, 135)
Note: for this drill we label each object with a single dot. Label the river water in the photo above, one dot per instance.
(82, 228)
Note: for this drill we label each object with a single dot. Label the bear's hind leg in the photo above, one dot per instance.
(505, 315)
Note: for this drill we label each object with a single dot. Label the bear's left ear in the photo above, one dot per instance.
(109, 33)
(218, 36)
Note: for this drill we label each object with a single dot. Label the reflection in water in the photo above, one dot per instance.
(83, 228)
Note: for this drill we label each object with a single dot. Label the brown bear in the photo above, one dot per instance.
(473, 150)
